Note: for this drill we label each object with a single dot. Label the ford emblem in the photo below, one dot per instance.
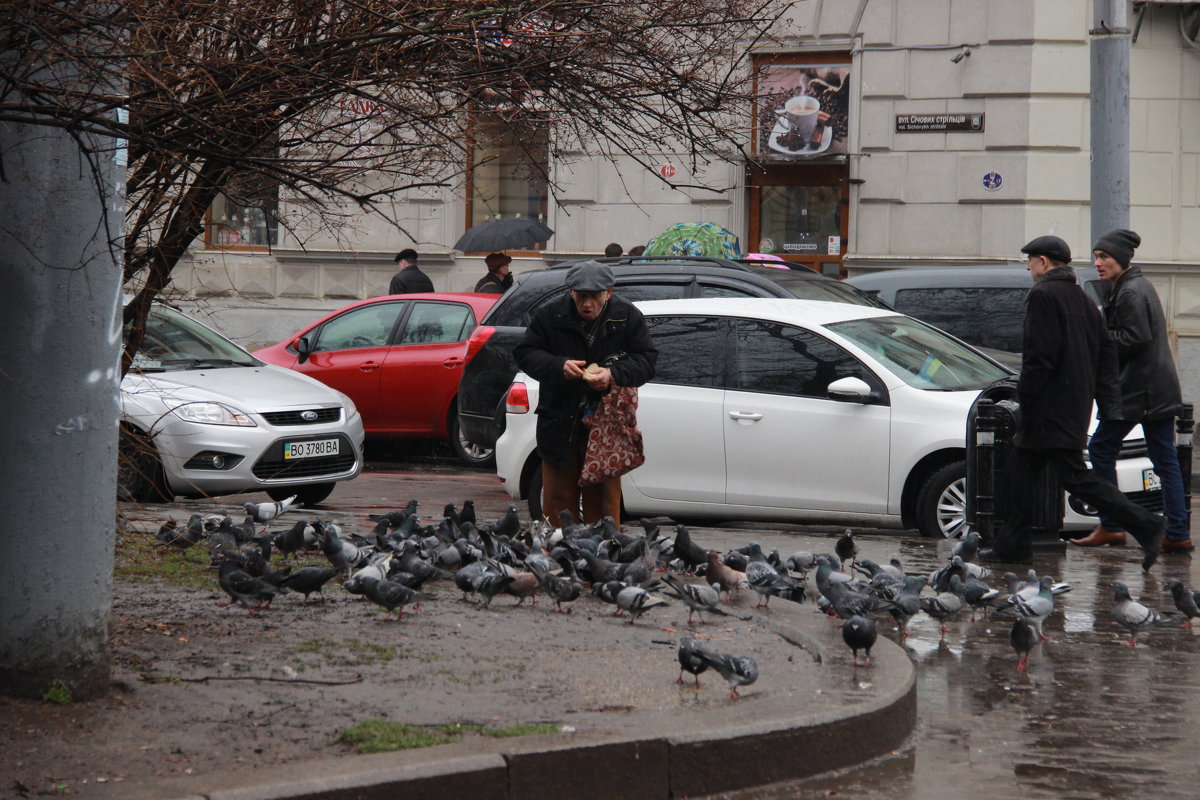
(308, 416)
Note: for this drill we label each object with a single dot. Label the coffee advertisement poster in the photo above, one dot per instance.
(803, 110)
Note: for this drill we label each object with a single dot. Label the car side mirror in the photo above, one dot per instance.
(850, 390)
(304, 348)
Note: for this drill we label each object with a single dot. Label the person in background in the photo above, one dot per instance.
(1149, 385)
(499, 276)
(409, 279)
(578, 348)
(637, 251)
(613, 250)
(1067, 362)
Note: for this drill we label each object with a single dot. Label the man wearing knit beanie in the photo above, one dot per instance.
(1150, 394)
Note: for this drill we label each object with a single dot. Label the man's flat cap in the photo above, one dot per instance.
(590, 276)
(1051, 247)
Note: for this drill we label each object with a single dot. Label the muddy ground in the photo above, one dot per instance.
(200, 688)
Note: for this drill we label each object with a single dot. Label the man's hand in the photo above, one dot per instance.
(597, 378)
(573, 370)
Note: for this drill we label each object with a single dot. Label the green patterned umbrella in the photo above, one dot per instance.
(695, 239)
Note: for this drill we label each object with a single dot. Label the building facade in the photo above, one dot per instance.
(886, 134)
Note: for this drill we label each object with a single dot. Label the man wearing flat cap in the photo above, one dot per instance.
(498, 277)
(1149, 389)
(578, 348)
(1067, 362)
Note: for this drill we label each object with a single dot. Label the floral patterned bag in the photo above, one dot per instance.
(614, 444)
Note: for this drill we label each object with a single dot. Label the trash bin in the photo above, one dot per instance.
(991, 429)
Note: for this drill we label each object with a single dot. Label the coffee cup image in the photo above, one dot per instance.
(800, 115)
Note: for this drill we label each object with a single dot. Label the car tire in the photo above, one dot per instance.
(140, 476)
(473, 454)
(309, 495)
(942, 502)
(535, 493)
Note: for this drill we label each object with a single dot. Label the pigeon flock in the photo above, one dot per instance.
(636, 573)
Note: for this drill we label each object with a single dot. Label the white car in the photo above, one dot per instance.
(798, 411)
(200, 417)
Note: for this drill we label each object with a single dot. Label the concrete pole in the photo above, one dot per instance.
(60, 288)
(1110, 44)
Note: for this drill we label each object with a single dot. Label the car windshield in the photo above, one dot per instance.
(174, 341)
(919, 355)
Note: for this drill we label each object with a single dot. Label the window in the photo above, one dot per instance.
(690, 350)
(507, 179)
(987, 316)
(781, 359)
(437, 323)
(366, 326)
(245, 215)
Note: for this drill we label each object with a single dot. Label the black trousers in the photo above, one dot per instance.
(1015, 536)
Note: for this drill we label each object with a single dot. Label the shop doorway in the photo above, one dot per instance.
(800, 213)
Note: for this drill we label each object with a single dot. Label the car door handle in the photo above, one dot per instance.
(451, 363)
(367, 366)
(746, 416)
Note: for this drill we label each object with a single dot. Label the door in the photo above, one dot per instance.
(786, 444)
(348, 353)
(800, 213)
(421, 371)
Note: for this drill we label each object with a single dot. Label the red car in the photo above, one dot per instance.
(398, 357)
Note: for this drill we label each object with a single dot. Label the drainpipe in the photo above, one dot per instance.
(1110, 45)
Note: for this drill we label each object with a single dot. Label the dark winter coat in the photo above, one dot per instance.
(557, 333)
(490, 284)
(1138, 328)
(410, 280)
(1067, 362)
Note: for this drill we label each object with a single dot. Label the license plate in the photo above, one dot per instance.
(1151, 481)
(311, 449)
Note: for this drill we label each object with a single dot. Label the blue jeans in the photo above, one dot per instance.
(1104, 448)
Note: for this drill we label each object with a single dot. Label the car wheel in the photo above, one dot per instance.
(942, 502)
(140, 476)
(473, 454)
(535, 493)
(309, 495)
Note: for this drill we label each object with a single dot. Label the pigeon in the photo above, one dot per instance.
(1132, 614)
(1186, 600)
(1023, 639)
(845, 548)
(467, 515)
(944, 605)
(848, 603)
(242, 588)
(295, 538)
(698, 597)
(858, 633)
(307, 580)
(687, 551)
(1034, 608)
(466, 577)
(508, 525)
(768, 583)
(391, 595)
(690, 659)
(978, 595)
(396, 518)
(968, 548)
(800, 561)
(490, 584)
(265, 512)
(637, 601)
(524, 584)
(736, 670)
(939, 579)
(169, 533)
(728, 579)
(560, 589)
(908, 602)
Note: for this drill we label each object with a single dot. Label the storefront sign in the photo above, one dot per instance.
(939, 123)
(803, 110)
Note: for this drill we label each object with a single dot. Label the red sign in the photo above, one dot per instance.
(667, 170)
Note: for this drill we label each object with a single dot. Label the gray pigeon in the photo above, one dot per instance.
(265, 512)
(1023, 639)
(690, 659)
(391, 595)
(859, 633)
(736, 670)
(243, 588)
(1132, 614)
(308, 580)
(698, 597)
(944, 605)
(1035, 608)
(968, 548)
(846, 548)
(559, 588)
(192, 533)
(637, 601)
(1186, 600)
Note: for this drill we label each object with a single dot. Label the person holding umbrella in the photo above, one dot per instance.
(498, 277)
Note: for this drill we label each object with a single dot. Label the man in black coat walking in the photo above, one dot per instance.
(410, 279)
(578, 348)
(1067, 361)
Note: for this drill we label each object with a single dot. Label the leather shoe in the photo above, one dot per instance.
(1177, 546)
(1100, 536)
(992, 557)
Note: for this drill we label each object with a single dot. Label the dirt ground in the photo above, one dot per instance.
(199, 688)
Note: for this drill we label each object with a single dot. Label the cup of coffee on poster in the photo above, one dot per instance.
(799, 116)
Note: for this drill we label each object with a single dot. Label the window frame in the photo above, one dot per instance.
(474, 126)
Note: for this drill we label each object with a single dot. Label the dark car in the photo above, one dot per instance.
(490, 364)
(983, 306)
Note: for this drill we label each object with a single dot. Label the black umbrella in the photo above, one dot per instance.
(503, 234)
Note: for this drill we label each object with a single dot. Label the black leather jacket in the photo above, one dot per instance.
(1138, 327)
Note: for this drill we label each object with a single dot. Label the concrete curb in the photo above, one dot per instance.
(650, 764)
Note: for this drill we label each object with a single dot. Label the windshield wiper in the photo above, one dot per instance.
(200, 363)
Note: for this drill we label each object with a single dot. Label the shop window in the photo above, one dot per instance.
(507, 178)
(245, 216)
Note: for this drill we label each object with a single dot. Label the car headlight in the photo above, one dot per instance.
(213, 414)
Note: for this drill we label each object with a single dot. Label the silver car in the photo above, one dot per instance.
(200, 416)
